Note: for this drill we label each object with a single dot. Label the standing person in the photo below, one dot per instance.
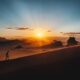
(7, 55)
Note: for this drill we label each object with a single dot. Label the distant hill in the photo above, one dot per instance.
(2, 39)
(9, 43)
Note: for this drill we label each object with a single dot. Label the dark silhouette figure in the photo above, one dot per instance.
(7, 55)
(72, 41)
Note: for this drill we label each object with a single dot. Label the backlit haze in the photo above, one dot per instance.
(38, 18)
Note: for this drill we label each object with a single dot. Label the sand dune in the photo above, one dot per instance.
(63, 61)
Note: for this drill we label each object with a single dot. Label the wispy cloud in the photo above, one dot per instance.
(9, 28)
(19, 28)
(22, 28)
(49, 31)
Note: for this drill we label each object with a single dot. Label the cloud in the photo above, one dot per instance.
(9, 28)
(49, 31)
(19, 28)
(22, 28)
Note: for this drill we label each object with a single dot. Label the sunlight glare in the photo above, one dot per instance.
(39, 35)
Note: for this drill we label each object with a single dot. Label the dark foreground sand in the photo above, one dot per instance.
(61, 62)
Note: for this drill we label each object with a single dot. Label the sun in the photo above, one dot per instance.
(39, 35)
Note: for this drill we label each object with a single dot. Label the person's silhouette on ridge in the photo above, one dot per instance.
(7, 55)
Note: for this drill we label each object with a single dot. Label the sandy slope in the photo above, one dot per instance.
(54, 62)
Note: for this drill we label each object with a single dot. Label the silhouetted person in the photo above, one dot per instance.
(7, 55)
(72, 41)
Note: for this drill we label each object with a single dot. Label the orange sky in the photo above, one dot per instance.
(24, 33)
